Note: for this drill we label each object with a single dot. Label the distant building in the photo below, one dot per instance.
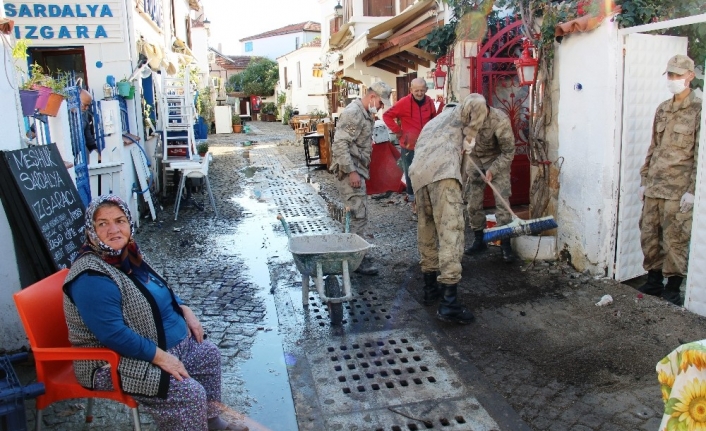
(275, 43)
(222, 67)
(301, 78)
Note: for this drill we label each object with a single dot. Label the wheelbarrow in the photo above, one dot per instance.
(327, 255)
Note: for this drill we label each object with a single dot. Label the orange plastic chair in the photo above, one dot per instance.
(42, 312)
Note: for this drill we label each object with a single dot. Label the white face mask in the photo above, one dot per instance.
(676, 86)
(372, 109)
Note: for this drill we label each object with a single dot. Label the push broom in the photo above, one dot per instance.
(517, 227)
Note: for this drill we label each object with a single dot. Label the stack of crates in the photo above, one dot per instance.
(12, 395)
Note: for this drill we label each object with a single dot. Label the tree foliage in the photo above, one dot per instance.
(260, 77)
(234, 83)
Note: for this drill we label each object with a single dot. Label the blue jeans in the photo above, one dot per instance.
(407, 157)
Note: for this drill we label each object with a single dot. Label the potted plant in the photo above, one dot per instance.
(40, 82)
(202, 149)
(124, 88)
(237, 123)
(58, 86)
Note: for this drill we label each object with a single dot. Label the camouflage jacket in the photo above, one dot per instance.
(495, 143)
(437, 154)
(670, 166)
(352, 143)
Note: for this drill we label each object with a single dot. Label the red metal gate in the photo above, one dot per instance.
(493, 75)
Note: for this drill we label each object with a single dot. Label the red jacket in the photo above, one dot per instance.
(412, 118)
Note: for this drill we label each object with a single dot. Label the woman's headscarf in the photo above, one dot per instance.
(129, 259)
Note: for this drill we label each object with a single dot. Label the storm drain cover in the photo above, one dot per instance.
(311, 227)
(364, 307)
(461, 415)
(367, 371)
(286, 201)
(287, 191)
(301, 211)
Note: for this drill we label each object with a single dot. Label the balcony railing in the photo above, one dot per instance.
(152, 9)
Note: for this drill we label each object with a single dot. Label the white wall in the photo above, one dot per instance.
(199, 46)
(12, 335)
(587, 122)
(276, 46)
(299, 97)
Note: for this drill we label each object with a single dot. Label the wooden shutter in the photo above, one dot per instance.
(405, 3)
(335, 25)
(379, 7)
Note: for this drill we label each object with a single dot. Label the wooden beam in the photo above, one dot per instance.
(386, 69)
(398, 44)
(414, 59)
(421, 53)
(402, 63)
(389, 64)
(383, 55)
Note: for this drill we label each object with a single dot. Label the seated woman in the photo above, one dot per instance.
(114, 299)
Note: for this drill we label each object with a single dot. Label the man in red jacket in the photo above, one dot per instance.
(412, 112)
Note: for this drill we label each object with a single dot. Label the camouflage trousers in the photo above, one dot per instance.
(356, 200)
(440, 229)
(664, 234)
(474, 197)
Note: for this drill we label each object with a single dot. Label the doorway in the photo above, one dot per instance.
(55, 60)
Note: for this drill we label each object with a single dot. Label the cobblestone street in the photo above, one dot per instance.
(540, 355)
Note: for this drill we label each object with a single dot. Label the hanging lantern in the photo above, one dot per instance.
(439, 78)
(527, 65)
(338, 9)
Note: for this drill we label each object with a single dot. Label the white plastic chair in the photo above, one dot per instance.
(193, 169)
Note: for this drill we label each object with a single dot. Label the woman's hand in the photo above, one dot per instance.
(170, 364)
(193, 326)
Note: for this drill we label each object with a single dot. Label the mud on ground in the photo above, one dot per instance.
(538, 336)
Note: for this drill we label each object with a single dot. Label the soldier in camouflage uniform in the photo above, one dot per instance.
(351, 149)
(437, 179)
(493, 153)
(668, 181)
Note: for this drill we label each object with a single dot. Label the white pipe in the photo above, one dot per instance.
(688, 20)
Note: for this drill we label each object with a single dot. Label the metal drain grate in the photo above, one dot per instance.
(287, 191)
(364, 307)
(371, 369)
(320, 226)
(284, 183)
(285, 201)
(294, 212)
(447, 415)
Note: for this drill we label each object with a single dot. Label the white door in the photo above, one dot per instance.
(644, 88)
(695, 299)
(223, 119)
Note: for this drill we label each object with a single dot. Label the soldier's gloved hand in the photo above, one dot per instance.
(641, 193)
(686, 203)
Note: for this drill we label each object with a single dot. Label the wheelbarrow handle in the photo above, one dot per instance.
(348, 220)
(285, 225)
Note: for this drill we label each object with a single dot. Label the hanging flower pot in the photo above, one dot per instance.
(28, 100)
(131, 93)
(44, 93)
(53, 105)
(124, 88)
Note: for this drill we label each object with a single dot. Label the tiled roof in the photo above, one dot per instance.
(287, 29)
(231, 62)
(316, 43)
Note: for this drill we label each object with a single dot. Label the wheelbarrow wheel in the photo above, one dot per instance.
(332, 288)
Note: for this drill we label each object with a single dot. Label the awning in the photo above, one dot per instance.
(343, 36)
(357, 47)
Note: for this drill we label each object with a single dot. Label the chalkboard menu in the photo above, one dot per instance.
(43, 207)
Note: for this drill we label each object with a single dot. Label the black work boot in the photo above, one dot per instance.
(654, 284)
(508, 254)
(672, 291)
(449, 308)
(431, 288)
(478, 244)
(366, 267)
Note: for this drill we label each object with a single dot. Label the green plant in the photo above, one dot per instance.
(204, 104)
(287, 115)
(260, 77)
(202, 148)
(317, 113)
(59, 83)
(281, 99)
(235, 120)
(268, 108)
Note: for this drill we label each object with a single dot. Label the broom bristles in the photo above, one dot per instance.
(518, 228)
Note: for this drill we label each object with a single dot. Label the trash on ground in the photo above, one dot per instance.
(605, 300)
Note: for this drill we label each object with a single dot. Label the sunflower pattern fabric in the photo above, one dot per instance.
(682, 379)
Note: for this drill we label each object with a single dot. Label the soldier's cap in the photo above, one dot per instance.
(680, 64)
(383, 90)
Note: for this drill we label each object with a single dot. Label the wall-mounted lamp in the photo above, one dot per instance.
(439, 78)
(527, 65)
(206, 24)
(338, 9)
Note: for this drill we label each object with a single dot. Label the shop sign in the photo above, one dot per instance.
(66, 23)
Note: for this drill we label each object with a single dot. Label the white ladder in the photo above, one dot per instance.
(178, 113)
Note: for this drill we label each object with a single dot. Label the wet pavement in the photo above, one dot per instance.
(390, 365)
